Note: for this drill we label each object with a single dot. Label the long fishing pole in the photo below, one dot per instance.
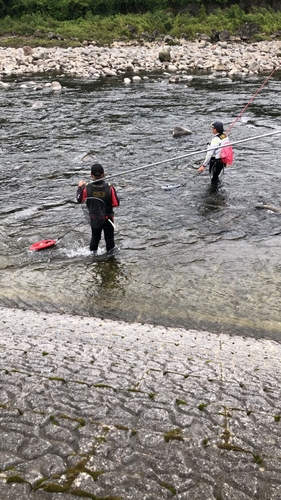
(69, 231)
(205, 150)
(41, 245)
(190, 153)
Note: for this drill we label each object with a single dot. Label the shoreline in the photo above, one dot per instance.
(30, 316)
(223, 58)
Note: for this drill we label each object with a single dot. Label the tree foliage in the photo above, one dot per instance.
(66, 10)
(76, 21)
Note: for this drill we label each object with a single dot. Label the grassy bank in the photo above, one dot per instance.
(37, 30)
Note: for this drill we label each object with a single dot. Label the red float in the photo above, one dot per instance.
(42, 245)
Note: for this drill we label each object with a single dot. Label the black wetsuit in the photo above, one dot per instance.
(108, 195)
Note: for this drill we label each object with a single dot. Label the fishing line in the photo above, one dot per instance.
(205, 150)
(41, 245)
(251, 100)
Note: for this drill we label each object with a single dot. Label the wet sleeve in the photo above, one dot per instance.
(114, 198)
(81, 194)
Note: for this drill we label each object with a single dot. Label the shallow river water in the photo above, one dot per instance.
(187, 257)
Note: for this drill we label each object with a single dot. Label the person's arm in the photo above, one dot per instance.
(210, 152)
(81, 193)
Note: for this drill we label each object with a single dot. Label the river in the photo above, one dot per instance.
(187, 257)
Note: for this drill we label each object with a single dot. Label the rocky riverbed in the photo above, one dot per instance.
(90, 61)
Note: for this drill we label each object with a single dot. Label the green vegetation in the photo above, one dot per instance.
(169, 487)
(205, 442)
(15, 479)
(258, 459)
(180, 402)
(71, 22)
(202, 406)
(64, 10)
(53, 420)
(175, 434)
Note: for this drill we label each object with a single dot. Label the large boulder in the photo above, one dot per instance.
(27, 50)
(165, 55)
(180, 131)
(224, 35)
(248, 30)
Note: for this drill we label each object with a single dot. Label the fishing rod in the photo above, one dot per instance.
(252, 98)
(237, 142)
(190, 153)
(41, 245)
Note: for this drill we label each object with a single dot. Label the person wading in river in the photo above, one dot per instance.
(213, 159)
(100, 198)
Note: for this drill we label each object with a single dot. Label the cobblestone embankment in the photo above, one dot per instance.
(107, 410)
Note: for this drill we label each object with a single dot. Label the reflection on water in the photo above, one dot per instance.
(213, 200)
(188, 256)
(105, 277)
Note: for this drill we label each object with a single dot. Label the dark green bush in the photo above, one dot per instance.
(106, 20)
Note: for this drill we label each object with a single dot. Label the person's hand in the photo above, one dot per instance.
(201, 169)
(81, 183)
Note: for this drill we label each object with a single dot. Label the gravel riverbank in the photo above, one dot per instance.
(90, 61)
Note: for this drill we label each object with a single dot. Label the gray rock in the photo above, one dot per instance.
(180, 131)
(174, 79)
(164, 56)
(183, 55)
(38, 105)
(11, 441)
(27, 50)
(36, 447)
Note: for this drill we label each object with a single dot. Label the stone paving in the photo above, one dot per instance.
(99, 409)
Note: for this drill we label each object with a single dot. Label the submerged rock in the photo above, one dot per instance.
(180, 131)
(56, 86)
(38, 105)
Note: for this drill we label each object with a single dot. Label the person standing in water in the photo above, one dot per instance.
(101, 198)
(213, 159)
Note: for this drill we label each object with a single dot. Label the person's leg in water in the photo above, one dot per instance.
(96, 236)
(108, 230)
(216, 166)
